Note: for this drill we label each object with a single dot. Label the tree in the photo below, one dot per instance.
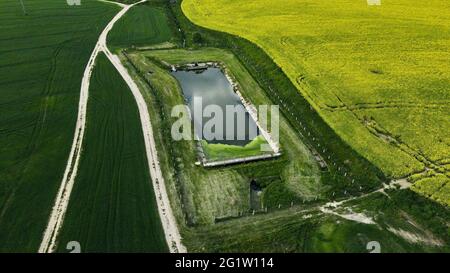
(198, 39)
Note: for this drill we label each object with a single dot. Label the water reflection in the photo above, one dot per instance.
(213, 88)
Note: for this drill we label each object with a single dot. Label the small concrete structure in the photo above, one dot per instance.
(240, 160)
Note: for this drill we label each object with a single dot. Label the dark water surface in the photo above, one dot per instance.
(213, 88)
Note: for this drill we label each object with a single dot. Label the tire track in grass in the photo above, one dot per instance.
(38, 124)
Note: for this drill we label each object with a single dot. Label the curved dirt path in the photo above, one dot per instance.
(168, 221)
(173, 237)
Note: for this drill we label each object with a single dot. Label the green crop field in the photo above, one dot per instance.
(142, 25)
(113, 206)
(42, 58)
(378, 75)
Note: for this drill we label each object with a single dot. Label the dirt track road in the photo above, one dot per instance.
(173, 238)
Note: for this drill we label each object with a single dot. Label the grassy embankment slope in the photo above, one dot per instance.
(307, 230)
(209, 194)
(378, 75)
(43, 56)
(113, 206)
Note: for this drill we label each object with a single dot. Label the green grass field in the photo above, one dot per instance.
(143, 25)
(113, 206)
(43, 56)
(378, 75)
(215, 152)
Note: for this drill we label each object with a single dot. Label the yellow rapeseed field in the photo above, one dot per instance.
(378, 75)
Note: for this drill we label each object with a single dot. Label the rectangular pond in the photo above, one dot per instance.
(228, 134)
(216, 93)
